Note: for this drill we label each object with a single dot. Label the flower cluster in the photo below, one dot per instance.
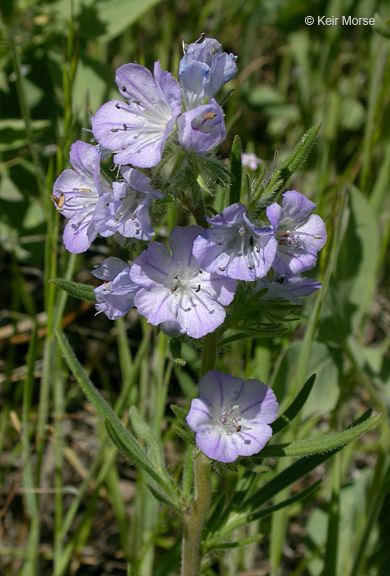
(185, 289)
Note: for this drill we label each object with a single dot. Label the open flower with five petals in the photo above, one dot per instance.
(175, 290)
(231, 417)
(137, 130)
(76, 193)
(300, 234)
(234, 247)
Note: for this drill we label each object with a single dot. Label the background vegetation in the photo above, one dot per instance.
(69, 504)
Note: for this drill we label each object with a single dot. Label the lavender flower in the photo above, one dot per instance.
(126, 210)
(202, 129)
(137, 131)
(232, 416)
(234, 247)
(288, 288)
(174, 289)
(300, 234)
(204, 69)
(251, 161)
(76, 193)
(116, 296)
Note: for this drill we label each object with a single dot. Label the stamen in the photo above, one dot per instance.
(317, 236)
(59, 201)
(198, 288)
(210, 115)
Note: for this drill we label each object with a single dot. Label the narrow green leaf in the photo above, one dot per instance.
(162, 498)
(180, 413)
(148, 435)
(128, 443)
(281, 176)
(239, 519)
(295, 472)
(321, 444)
(226, 545)
(75, 289)
(295, 406)
(236, 171)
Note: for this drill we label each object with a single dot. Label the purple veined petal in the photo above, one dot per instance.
(170, 89)
(201, 129)
(258, 402)
(137, 84)
(288, 288)
(152, 267)
(219, 389)
(219, 287)
(217, 446)
(154, 305)
(198, 316)
(252, 441)
(139, 181)
(223, 69)
(199, 414)
(296, 206)
(109, 268)
(181, 240)
(79, 235)
(273, 213)
(84, 158)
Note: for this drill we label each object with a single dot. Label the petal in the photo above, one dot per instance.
(201, 129)
(251, 441)
(219, 287)
(122, 128)
(109, 268)
(217, 445)
(219, 389)
(84, 158)
(199, 414)
(152, 266)
(154, 305)
(273, 213)
(198, 316)
(135, 82)
(79, 235)
(296, 205)
(139, 181)
(258, 402)
(181, 241)
(170, 88)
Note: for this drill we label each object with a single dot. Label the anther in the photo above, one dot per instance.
(210, 115)
(198, 288)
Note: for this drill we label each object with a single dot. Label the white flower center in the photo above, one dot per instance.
(230, 420)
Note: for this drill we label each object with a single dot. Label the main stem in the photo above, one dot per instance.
(194, 520)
